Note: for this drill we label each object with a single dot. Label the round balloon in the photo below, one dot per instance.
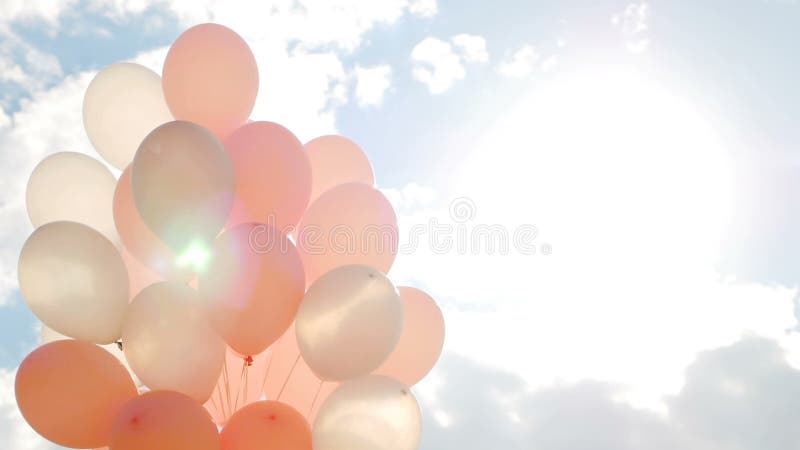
(370, 413)
(336, 160)
(182, 181)
(69, 392)
(273, 175)
(349, 322)
(74, 280)
(211, 78)
(421, 341)
(139, 240)
(169, 343)
(72, 187)
(267, 425)
(163, 420)
(123, 103)
(352, 223)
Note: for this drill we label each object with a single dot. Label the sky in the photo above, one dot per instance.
(603, 196)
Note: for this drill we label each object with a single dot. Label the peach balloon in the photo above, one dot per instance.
(291, 381)
(352, 223)
(183, 185)
(137, 238)
(253, 286)
(273, 175)
(336, 160)
(240, 383)
(70, 391)
(211, 78)
(267, 425)
(421, 340)
(163, 420)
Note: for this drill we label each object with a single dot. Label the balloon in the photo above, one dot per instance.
(168, 342)
(73, 187)
(211, 78)
(421, 340)
(74, 280)
(69, 392)
(370, 413)
(240, 383)
(183, 186)
(253, 285)
(273, 175)
(350, 224)
(140, 276)
(122, 104)
(47, 336)
(349, 322)
(267, 425)
(139, 240)
(291, 381)
(336, 160)
(163, 420)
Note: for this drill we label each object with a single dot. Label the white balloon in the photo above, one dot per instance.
(123, 103)
(75, 187)
(369, 413)
(349, 322)
(74, 280)
(49, 335)
(169, 343)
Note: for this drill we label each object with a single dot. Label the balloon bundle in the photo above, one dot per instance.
(229, 290)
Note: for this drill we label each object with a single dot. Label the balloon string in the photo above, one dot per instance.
(241, 378)
(269, 364)
(314, 402)
(227, 387)
(221, 403)
(246, 376)
(296, 360)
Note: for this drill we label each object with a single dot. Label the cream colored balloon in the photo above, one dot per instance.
(49, 335)
(123, 103)
(74, 280)
(369, 413)
(349, 322)
(75, 187)
(169, 343)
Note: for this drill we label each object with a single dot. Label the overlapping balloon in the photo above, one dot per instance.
(235, 275)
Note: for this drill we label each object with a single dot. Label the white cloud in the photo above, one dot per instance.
(424, 8)
(372, 84)
(439, 64)
(520, 63)
(632, 22)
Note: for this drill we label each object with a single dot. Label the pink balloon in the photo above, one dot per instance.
(336, 160)
(352, 223)
(421, 341)
(211, 78)
(240, 384)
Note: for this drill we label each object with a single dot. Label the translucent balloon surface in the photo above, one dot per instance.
(349, 322)
(370, 413)
(336, 160)
(123, 103)
(267, 425)
(352, 223)
(169, 343)
(69, 392)
(211, 78)
(163, 420)
(73, 187)
(74, 280)
(422, 339)
(183, 185)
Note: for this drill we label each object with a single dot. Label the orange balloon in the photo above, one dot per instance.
(336, 160)
(163, 420)
(273, 175)
(253, 286)
(69, 391)
(138, 239)
(291, 381)
(240, 384)
(267, 425)
(211, 78)
(421, 341)
(352, 223)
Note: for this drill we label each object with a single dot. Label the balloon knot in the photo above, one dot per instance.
(119, 345)
(249, 360)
